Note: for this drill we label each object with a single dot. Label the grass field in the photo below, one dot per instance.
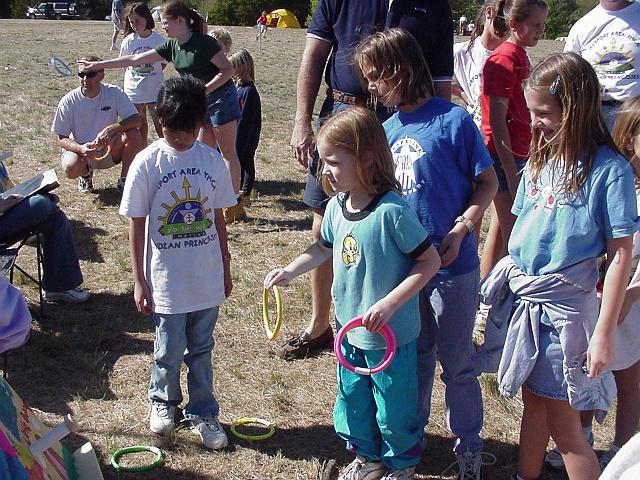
(93, 360)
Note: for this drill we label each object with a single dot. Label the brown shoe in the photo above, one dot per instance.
(302, 346)
(245, 199)
(234, 214)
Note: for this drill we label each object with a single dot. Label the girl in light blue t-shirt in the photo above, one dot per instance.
(576, 200)
(382, 257)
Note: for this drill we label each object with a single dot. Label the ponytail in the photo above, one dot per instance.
(518, 10)
(176, 8)
(198, 25)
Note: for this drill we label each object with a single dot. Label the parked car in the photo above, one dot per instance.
(53, 10)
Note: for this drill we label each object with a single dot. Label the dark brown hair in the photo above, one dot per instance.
(142, 10)
(500, 26)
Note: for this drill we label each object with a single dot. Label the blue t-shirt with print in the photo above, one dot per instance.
(553, 231)
(438, 153)
(373, 251)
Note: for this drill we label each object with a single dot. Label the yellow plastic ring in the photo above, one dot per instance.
(272, 334)
(248, 420)
(105, 155)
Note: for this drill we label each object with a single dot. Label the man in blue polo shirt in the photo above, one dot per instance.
(336, 27)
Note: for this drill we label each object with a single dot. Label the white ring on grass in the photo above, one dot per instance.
(61, 66)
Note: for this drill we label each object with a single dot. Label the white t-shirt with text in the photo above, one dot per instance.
(178, 192)
(467, 72)
(142, 82)
(610, 42)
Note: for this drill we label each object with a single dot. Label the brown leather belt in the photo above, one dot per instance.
(612, 103)
(349, 99)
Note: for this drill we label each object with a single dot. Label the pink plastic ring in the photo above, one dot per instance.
(389, 353)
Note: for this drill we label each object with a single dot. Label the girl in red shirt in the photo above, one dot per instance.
(505, 118)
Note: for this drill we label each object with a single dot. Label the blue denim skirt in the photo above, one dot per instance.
(547, 377)
(223, 106)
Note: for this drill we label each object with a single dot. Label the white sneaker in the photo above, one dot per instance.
(161, 418)
(402, 474)
(470, 465)
(360, 469)
(553, 458)
(75, 295)
(210, 432)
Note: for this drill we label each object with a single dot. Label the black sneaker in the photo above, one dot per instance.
(85, 183)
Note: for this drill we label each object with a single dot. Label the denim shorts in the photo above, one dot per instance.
(223, 106)
(502, 177)
(547, 377)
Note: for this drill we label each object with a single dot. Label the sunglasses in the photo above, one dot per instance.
(87, 74)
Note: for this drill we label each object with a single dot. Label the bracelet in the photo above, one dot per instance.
(467, 223)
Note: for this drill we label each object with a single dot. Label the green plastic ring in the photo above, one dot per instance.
(135, 449)
(259, 421)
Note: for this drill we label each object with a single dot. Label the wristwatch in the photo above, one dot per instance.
(467, 223)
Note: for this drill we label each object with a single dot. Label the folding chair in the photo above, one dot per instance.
(9, 251)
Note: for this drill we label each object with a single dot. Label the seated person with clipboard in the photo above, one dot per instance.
(29, 207)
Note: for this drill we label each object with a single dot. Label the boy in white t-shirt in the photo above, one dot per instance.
(174, 195)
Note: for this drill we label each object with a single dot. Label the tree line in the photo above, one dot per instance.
(562, 13)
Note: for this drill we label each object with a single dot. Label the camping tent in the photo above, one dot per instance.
(282, 18)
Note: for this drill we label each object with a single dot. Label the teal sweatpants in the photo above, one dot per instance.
(377, 414)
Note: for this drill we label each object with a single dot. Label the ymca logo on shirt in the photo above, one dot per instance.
(613, 58)
(406, 152)
(188, 217)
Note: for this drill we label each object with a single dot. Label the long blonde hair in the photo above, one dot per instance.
(573, 83)
(627, 124)
(359, 132)
(395, 55)
(242, 62)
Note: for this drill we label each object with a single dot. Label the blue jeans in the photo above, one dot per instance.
(188, 337)
(447, 329)
(40, 213)
(610, 113)
(374, 413)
